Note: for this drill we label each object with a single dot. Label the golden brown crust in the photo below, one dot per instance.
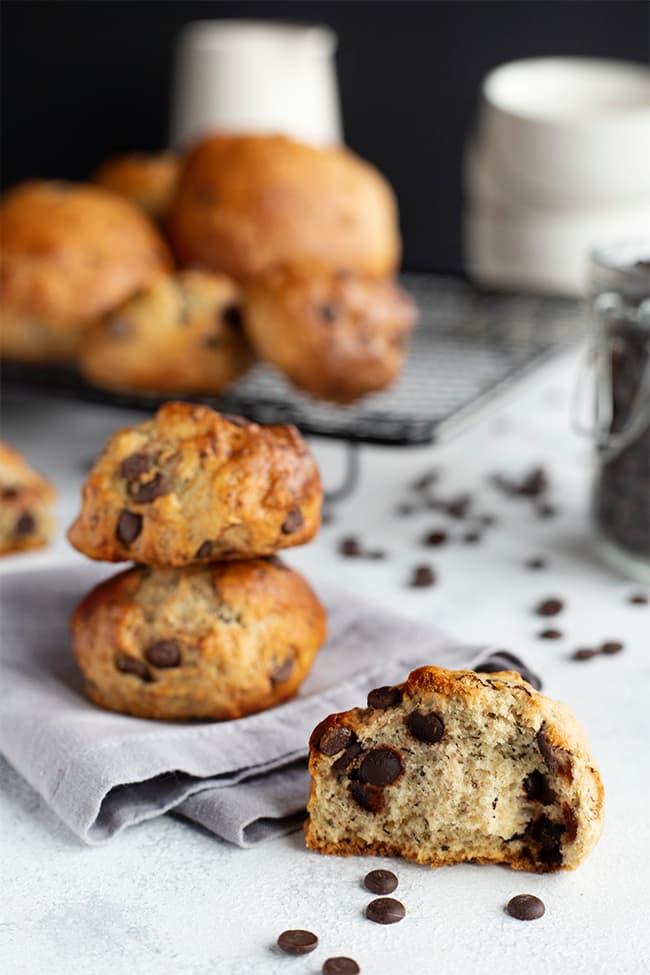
(505, 776)
(146, 181)
(193, 485)
(245, 203)
(26, 500)
(336, 334)
(217, 641)
(180, 334)
(69, 253)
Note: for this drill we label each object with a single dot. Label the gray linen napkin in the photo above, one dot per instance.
(244, 780)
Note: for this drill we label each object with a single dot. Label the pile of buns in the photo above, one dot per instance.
(172, 275)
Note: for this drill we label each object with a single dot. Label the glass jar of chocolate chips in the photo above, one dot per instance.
(620, 293)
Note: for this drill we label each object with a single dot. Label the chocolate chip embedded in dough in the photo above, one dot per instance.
(384, 697)
(204, 551)
(570, 822)
(329, 312)
(426, 727)
(537, 788)
(283, 670)
(345, 760)
(136, 464)
(381, 766)
(369, 797)
(25, 524)
(231, 315)
(150, 490)
(129, 526)
(557, 759)
(163, 654)
(131, 665)
(335, 739)
(292, 522)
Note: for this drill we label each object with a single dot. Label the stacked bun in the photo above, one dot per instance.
(209, 623)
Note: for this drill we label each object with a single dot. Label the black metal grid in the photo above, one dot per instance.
(469, 346)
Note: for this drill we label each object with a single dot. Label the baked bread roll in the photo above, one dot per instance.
(26, 500)
(215, 641)
(68, 253)
(245, 203)
(335, 334)
(453, 766)
(181, 334)
(193, 485)
(147, 181)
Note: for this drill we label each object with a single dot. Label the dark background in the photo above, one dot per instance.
(84, 80)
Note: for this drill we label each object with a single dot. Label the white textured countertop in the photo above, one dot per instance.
(170, 899)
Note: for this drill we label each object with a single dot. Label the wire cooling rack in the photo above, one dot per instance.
(469, 347)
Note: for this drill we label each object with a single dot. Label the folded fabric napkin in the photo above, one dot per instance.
(244, 780)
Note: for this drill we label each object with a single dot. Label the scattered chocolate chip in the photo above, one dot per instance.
(335, 739)
(204, 551)
(25, 524)
(550, 634)
(297, 942)
(549, 607)
(380, 882)
(164, 653)
(536, 563)
(385, 910)
(546, 510)
(425, 727)
(471, 538)
(293, 522)
(369, 797)
(329, 312)
(155, 488)
(283, 671)
(136, 464)
(459, 507)
(129, 526)
(537, 788)
(231, 316)
(549, 836)
(435, 538)
(350, 547)
(340, 966)
(131, 665)
(525, 907)
(423, 575)
(384, 697)
(611, 646)
(381, 766)
(584, 653)
(638, 599)
(345, 760)
(503, 660)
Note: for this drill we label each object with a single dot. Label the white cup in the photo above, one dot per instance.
(255, 77)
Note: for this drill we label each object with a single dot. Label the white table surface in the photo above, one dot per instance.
(168, 898)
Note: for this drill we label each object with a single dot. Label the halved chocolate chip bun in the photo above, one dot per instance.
(456, 766)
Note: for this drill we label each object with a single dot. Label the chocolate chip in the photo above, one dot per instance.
(231, 316)
(10, 493)
(335, 739)
(534, 483)
(129, 526)
(638, 599)
(381, 766)
(425, 727)
(369, 797)
(204, 551)
(155, 488)
(549, 607)
(329, 312)
(297, 942)
(584, 653)
(536, 563)
(340, 966)
(557, 759)
(164, 653)
(25, 524)
(570, 822)
(292, 522)
(550, 634)
(283, 671)
(350, 547)
(131, 665)
(549, 836)
(136, 464)
(471, 538)
(380, 882)
(423, 575)
(345, 760)
(611, 646)
(385, 910)
(537, 788)
(435, 538)
(525, 907)
(384, 697)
